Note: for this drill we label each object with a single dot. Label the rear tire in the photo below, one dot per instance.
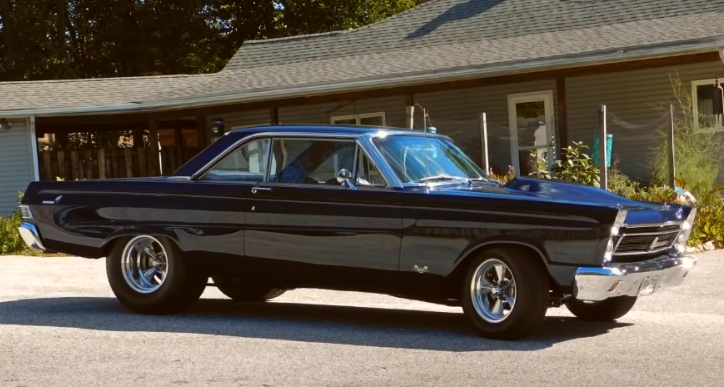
(169, 285)
(606, 310)
(505, 293)
(245, 292)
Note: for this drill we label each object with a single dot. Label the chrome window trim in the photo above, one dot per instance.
(243, 141)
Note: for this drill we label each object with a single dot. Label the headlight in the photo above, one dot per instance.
(615, 228)
(618, 222)
(686, 227)
(608, 255)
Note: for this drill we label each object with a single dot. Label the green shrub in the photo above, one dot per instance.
(10, 241)
(578, 167)
(698, 154)
(503, 178)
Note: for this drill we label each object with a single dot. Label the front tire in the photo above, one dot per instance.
(148, 275)
(505, 293)
(607, 310)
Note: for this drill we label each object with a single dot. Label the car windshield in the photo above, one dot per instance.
(444, 161)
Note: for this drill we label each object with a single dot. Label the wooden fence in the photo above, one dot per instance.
(111, 163)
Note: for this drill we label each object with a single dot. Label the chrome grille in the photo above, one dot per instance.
(643, 241)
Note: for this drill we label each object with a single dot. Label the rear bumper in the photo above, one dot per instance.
(631, 279)
(31, 236)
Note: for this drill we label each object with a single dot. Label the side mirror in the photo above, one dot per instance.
(344, 177)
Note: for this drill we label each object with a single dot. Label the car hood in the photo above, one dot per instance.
(563, 192)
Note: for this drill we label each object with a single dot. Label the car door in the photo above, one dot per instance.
(316, 231)
(222, 199)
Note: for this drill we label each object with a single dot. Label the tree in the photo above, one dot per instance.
(53, 39)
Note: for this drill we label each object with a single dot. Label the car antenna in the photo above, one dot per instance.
(425, 119)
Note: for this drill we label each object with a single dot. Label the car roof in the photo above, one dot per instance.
(233, 136)
(326, 129)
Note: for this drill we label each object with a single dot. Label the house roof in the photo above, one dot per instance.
(89, 94)
(438, 40)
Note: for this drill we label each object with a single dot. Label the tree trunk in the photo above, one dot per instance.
(62, 8)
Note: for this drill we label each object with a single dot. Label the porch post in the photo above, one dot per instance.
(561, 111)
(410, 111)
(603, 151)
(204, 132)
(155, 144)
(274, 115)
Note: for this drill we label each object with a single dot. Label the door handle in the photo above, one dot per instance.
(257, 189)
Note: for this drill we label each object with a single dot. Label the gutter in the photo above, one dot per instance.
(72, 111)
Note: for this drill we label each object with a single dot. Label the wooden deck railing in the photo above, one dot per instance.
(111, 163)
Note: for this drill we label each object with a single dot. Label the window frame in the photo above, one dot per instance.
(359, 152)
(358, 117)
(695, 105)
(229, 153)
(361, 144)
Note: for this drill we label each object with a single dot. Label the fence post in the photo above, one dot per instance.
(603, 152)
(672, 166)
(484, 140)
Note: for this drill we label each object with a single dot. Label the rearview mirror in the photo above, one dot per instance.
(344, 177)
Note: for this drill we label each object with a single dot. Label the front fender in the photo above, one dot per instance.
(562, 273)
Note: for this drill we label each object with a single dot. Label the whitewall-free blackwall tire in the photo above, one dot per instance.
(242, 291)
(505, 293)
(606, 310)
(148, 275)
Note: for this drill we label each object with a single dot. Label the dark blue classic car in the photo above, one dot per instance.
(268, 209)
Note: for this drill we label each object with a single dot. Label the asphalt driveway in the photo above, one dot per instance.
(60, 325)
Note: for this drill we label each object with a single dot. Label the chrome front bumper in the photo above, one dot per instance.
(630, 279)
(31, 236)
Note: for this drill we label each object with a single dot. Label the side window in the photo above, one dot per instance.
(367, 173)
(246, 163)
(310, 161)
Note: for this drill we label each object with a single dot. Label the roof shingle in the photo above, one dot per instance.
(442, 22)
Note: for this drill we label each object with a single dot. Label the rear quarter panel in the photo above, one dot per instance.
(206, 219)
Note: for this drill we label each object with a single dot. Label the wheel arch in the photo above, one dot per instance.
(465, 258)
(126, 234)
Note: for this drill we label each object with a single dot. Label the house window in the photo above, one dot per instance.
(702, 95)
(371, 119)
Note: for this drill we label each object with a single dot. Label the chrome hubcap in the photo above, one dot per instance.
(493, 291)
(144, 264)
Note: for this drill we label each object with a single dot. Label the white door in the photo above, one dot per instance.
(530, 119)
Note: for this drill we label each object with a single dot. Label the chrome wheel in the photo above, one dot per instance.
(493, 291)
(144, 264)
